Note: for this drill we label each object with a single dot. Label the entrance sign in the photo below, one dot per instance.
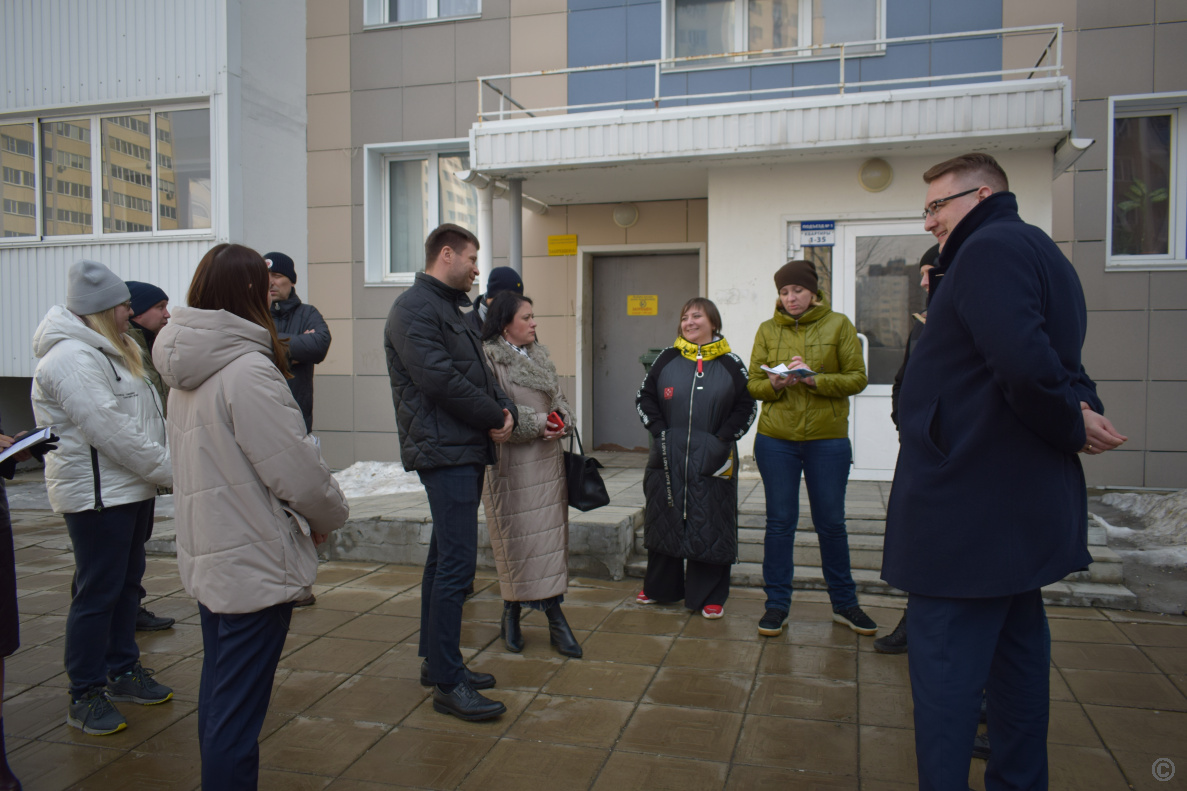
(642, 305)
(562, 245)
(821, 233)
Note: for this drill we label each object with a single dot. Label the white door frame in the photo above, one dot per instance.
(585, 310)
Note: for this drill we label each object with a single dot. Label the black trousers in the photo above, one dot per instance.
(701, 583)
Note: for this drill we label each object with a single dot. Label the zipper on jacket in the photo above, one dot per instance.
(692, 394)
(95, 477)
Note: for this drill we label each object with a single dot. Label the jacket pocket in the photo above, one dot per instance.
(933, 436)
(301, 555)
(712, 453)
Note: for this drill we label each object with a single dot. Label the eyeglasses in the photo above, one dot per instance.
(930, 209)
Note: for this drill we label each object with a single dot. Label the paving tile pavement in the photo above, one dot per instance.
(663, 699)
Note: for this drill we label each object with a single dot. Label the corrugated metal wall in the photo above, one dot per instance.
(32, 279)
(62, 52)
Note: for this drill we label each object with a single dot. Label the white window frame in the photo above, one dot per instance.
(742, 35)
(1175, 105)
(98, 234)
(381, 10)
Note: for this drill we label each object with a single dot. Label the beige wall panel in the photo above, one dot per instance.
(327, 17)
(1166, 428)
(1108, 290)
(328, 178)
(1170, 57)
(1167, 470)
(329, 121)
(427, 54)
(559, 336)
(1115, 349)
(376, 446)
(369, 356)
(551, 90)
(465, 98)
(333, 402)
(538, 227)
(328, 290)
(327, 64)
(340, 359)
(1114, 68)
(500, 223)
(1092, 120)
(483, 48)
(496, 9)
(546, 281)
(1115, 468)
(594, 224)
(378, 116)
(429, 112)
(1170, 10)
(698, 220)
(375, 59)
(337, 448)
(659, 221)
(539, 42)
(1110, 13)
(1168, 346)
(371, 302)
(1168, 290)
(373, 410)
(527, 7)
(1090, 208)
(329, 235)
(569, 390)
(1125, 406)
(1019, 13)
(1062, 205)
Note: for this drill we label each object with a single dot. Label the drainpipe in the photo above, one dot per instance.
(486, 236)
(489, 189)
(515, 198)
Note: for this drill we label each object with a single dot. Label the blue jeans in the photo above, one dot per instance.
(824, 464)
(958, 648)
(454, 496)
(109, 565)
(239, 661)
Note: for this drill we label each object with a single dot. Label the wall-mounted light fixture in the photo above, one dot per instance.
(875, 174)
(626, 215)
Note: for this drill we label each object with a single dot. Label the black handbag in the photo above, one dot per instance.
(587, 491)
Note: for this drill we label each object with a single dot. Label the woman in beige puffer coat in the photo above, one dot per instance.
(524, 494)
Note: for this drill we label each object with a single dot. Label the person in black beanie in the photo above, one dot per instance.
(502, 278)
(301, 325)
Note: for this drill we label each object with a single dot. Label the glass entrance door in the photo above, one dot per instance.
(876, 282)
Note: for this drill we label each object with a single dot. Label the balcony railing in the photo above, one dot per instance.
(1048, 63)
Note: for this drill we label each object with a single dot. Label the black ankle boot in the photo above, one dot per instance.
(8, 781)
(510, 632)
(559, 633)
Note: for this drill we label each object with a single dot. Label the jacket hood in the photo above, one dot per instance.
(814, 313)
(196, 344)
(709, 351)
(59, 325)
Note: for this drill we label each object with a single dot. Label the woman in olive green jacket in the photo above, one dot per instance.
(804, 430)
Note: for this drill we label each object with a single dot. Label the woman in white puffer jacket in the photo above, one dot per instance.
(89, 384)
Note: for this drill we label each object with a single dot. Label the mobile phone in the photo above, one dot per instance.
(555, 419)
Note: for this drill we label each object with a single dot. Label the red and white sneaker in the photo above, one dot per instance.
(713, 611)
(642, 599)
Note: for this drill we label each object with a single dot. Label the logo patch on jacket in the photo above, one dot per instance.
(669, 393)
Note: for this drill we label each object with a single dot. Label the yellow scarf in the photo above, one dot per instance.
(709, 351)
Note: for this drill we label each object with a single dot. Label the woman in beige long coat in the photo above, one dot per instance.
(524, 493)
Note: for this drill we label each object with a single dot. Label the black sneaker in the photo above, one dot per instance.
(896, 641)
(981, 746)
(94, 714)
(148, 621)
(138, 686)
(856, 619)
(771, 624)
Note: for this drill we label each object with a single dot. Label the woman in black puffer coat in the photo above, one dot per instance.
(695, 403)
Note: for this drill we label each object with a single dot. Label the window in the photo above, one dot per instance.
(421, 194)
(95, 175)
(710, 27)
(1147, 182)
(392, 12)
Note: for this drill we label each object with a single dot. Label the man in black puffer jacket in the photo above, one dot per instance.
(302, 324)
(450, 413)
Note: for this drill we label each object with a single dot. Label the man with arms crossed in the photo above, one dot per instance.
(989, 502)
(450, 411)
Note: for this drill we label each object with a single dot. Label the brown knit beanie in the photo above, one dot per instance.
(797, 273)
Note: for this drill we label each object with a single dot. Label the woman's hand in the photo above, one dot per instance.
(797, 363)
(6, 441)
(552, 431)
(779, 382)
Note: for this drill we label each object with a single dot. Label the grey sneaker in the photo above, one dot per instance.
(855, 618)
(138, 686)
(94, 714)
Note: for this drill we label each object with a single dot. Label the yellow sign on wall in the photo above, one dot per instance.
(562, 245)
(642, 305)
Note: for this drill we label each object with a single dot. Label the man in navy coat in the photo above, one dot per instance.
(989, 502)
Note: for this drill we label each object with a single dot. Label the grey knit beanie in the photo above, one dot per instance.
(93, 288)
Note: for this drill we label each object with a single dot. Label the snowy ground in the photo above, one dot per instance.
(1149, 532)
(374, 478)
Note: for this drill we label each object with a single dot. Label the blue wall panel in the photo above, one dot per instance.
(719, 81)
(643, 32)
(597, 36)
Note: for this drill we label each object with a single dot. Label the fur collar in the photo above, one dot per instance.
(537, 373)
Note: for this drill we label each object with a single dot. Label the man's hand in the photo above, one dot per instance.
(318, 538)
(503, 434)
(1100, 432)
(308, 332)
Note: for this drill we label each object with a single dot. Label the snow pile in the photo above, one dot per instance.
(375, 478)
(1163, 535)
